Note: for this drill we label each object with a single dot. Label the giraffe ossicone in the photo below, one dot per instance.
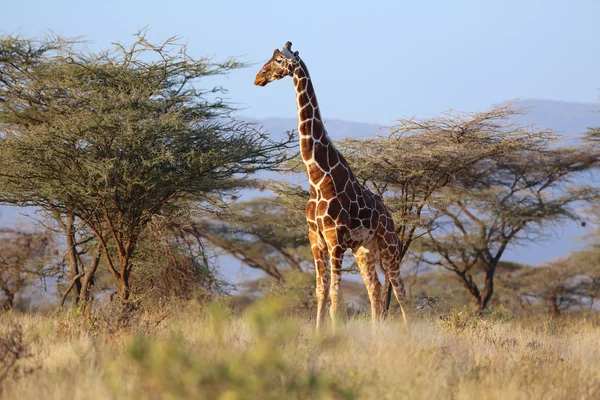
(341, 213)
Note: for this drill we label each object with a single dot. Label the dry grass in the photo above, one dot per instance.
(212, 353)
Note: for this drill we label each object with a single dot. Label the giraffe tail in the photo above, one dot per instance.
(403, 314)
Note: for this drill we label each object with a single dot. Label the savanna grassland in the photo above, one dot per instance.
(191, 351)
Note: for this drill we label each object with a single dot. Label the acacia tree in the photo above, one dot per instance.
(559, 286)
(524, 195)
(117, 137)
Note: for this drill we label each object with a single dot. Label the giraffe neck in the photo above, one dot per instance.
(310, 125)
(327, 170)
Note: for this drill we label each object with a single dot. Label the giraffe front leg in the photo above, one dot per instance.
(336, 255)
(322, 284)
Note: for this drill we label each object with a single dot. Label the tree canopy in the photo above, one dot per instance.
(119, 136)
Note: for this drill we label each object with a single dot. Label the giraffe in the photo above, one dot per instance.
(341, 213)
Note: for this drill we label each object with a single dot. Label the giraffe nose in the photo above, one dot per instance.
(260, 80)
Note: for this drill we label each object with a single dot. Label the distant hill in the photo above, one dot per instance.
(336, 128)
(571, 119)
(563, 117)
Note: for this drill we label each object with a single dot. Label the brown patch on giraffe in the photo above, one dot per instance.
(365, 216)
(318, 197)
(311, 206)
(334, 208)
(343, 233)
(374, 218)
(322, 207)
(355, 223)
(361, 201)
(305, 127)
(328, 222)
(344, 218)
(320, 224)
(344, 200)
(301, 85)
(357, 189)
(351, 192)
(340, 175)
(306, 148)
(315, 173)
(318, 129)
(321, 155)
(306, 112)
(327, 189)
(327, 181)
(353, 210)
(365, 213)
(389, 226)
(303, 98)
(332, 157)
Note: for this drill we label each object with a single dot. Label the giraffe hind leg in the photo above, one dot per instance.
(392, 265)
(365, 259)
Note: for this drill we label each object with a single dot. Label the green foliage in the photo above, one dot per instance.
(170, 368)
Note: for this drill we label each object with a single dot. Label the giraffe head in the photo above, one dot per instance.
(283, 63)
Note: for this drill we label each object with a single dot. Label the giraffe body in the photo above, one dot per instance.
(341, 213)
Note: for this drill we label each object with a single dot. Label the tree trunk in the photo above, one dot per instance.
(9, 302)
(471, 286)
(488, 289)
(72, 252)
(552, 303)
(123, 282)
(121, 276)
(88, 279)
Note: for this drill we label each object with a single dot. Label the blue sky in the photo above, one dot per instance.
(372, 61)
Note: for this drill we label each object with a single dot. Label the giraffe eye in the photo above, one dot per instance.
(278, 61)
